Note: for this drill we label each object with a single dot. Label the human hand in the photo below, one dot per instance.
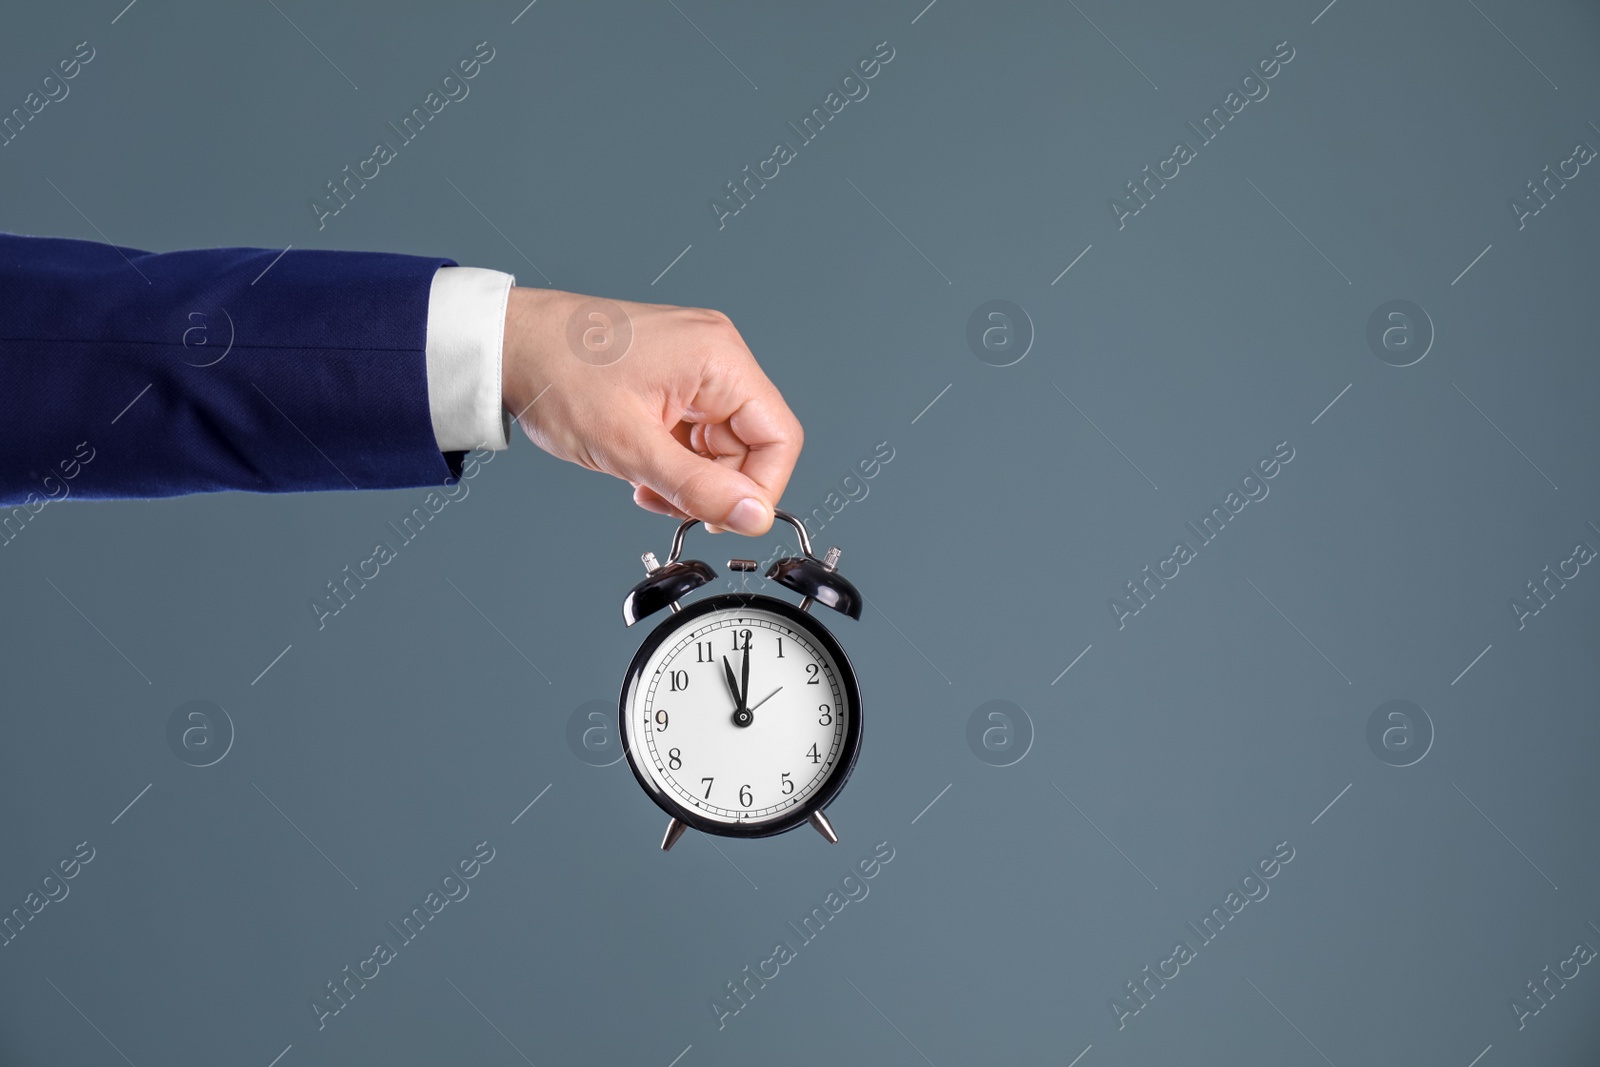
(686, 415)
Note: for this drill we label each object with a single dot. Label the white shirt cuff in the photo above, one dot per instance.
(466, 329)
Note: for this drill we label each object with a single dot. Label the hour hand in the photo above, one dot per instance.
(741, 714)
(733, 684)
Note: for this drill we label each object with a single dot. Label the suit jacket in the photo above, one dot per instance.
(134, 374)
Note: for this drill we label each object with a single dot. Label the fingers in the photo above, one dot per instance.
(747, 418)
(651, 500)
(744, 425)
(712, 492)
(772, 438)
(739, 412)
(692, 437)
(717, 442)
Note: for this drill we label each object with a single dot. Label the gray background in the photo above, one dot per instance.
(1216, 324)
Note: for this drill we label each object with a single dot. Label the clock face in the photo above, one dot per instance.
(732, 755)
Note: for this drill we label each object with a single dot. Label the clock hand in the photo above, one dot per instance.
(766, 698)
(744, 677)
(741, 714)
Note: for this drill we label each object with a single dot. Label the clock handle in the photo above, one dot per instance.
(779, 513)
(814, 578)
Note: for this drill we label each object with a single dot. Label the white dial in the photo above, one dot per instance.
(685, 711)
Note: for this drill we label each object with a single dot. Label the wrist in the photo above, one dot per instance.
(532, 324)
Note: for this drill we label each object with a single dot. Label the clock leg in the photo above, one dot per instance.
(675, 830)
(824, 827)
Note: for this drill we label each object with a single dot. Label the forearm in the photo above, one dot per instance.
(215, 369)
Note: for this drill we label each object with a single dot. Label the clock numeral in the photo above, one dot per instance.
(812, 669)
(741, 640)
(744, 795)
(788, 786)
(679, 680)
(708, 782)
(816, 757)
(826, 718)
(780, 648)
(661, 719)
(675, 759)
(702, 651)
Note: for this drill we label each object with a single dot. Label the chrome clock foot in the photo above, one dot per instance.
(824, 827)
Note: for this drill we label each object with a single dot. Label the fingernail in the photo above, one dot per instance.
(749, 517)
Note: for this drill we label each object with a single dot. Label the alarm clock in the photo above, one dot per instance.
(740, 714)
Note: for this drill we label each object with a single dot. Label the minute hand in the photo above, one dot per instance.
(744, 679)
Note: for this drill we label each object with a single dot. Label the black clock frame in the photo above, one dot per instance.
(847, 681)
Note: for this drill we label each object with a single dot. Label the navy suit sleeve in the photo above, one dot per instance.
(134, 374)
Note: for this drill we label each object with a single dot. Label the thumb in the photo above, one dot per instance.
(701, 488)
